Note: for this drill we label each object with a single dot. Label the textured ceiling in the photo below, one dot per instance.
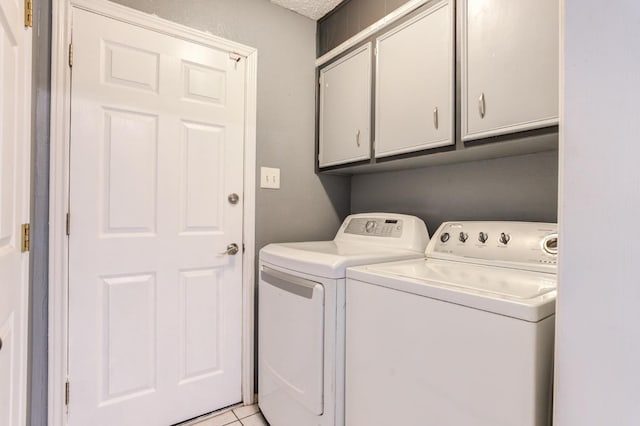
(313, 9)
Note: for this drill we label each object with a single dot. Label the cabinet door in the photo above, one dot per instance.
(414, 84)
(345, 109)
(509, 66)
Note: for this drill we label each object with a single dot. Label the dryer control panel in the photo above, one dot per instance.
(381, 227)
(521, 245)
(392, 230)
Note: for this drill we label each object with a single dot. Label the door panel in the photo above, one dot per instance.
(200, 322)
(156, 147)
(129, 322)
(15, 122)
(129, 185)
(202, 164)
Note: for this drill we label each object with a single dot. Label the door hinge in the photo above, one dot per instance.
(70, 55)
(66, 393)
(25, 244)
(68, 224)
(28, 13)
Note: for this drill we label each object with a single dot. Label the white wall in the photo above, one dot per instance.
(598, 322)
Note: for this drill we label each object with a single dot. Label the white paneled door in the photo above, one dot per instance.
(155, 305)
(15, 122)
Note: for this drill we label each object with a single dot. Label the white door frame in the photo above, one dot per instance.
(59, 186)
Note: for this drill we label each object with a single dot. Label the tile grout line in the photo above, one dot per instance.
(236, 420)
(247, 415)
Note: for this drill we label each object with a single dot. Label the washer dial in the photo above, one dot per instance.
(550, 244)
(504, 238)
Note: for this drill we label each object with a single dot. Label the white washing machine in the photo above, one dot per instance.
(463, 338)
(301, 314)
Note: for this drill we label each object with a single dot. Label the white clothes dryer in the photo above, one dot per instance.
(301, 314)
(464, 337)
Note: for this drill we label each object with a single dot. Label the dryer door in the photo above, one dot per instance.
(291, 334)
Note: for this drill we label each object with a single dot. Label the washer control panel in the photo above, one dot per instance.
(532, 245)
(375, 226)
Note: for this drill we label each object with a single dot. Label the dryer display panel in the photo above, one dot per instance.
(375, 226)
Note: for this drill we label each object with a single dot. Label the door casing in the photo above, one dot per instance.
(59, 186)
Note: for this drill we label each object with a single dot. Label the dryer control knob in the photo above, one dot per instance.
(370, 226)
(483, 237)
(444, 237)
(463, 237)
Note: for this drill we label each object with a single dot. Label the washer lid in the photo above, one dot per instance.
(525, 295)
(329, 259)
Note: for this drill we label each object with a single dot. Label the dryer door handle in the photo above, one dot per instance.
(289, 283)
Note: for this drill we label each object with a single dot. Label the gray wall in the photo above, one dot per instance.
(349, 18)
(39, 287)
(307, 207)
(511, 188)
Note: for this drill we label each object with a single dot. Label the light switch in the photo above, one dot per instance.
(269, 178)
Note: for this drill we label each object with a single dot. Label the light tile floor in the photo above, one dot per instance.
(248, 415)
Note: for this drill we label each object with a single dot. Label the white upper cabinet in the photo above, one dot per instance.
(509, 66)
(415, 84)
(345, 109)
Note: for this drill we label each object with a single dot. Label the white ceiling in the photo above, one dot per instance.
(313, 9)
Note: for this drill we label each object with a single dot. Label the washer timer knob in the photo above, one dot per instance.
(463, 237)
(550, 244)
(444, 237)
(483, 237)
(504, 238)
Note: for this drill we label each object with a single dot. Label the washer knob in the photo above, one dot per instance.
(370, 226)
(550, 244)
(504, 238)
(444, 237)
(483, 237)
(463, 237)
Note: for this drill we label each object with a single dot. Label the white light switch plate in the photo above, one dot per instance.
(269, 178)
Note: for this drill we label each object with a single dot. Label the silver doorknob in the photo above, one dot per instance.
(233, 198)
(232, 249)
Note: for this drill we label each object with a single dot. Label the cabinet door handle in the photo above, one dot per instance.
(435, 117)
(358, 138)
(481, 105)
